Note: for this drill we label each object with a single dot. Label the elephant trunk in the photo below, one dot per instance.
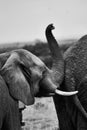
(58, 61)
(54, 77)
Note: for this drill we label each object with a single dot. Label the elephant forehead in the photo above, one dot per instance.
(30, 58)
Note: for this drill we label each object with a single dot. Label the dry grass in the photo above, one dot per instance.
(41, 115)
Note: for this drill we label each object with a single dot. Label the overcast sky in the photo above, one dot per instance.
(26, 20)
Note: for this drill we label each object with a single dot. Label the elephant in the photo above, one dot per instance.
(69, 73)
(14, 86)
(20, 75)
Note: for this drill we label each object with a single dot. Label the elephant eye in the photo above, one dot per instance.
(44, 73)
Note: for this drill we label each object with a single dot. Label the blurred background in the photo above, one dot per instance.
(23, 24)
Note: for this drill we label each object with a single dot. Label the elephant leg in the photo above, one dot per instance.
(14, 117)
(9, 110)
(11, 119)
(81, 122)
(65, 120)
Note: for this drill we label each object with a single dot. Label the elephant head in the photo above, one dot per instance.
(22, 72)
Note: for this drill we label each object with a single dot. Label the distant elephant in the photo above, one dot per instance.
(69, 73)
(20, 75)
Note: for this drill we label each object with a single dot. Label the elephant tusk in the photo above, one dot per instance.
(62, 93)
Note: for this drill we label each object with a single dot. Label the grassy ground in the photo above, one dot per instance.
(41, 115)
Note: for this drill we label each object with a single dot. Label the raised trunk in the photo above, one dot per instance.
(58, 62)
(54, 77)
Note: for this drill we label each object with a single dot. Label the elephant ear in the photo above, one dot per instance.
(18, 86)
